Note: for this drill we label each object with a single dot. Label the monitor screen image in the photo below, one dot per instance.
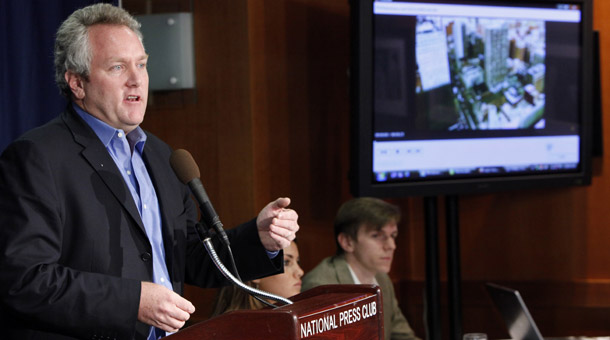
(460, 96)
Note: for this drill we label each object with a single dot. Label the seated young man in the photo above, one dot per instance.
(365, 231)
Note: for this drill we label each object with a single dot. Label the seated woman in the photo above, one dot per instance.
(285, 285)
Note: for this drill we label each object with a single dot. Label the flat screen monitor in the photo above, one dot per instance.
(467, 96)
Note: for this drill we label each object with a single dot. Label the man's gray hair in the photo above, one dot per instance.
(72, 49)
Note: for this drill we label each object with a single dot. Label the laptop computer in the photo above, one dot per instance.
(519, 321)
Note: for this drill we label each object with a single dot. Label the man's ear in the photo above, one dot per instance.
(75, 82)
(346, 242)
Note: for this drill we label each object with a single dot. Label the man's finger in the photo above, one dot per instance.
(173, 320)
(184, 304)
(179, 315)
(287, 232)
(288, 224)
(281, 202)
(288, 214)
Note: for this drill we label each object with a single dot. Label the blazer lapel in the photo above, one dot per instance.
(344, 276)
(102, 163)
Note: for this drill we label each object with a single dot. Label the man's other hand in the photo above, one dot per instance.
(162, 308)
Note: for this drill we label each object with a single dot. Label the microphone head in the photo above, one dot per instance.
(184, 165)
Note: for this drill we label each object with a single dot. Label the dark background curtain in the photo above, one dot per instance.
(28, 94)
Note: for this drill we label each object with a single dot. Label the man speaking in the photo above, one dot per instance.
(97, 233)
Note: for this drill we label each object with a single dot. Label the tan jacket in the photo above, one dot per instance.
(334, 270)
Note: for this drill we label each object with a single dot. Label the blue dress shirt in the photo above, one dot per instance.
(126, 151)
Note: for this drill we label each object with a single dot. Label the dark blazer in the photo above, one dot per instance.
(73, 250)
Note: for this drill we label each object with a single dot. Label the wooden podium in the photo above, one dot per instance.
(326, 312)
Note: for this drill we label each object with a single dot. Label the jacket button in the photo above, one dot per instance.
(146, 257)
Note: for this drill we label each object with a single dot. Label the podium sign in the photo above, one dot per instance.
(325, 312)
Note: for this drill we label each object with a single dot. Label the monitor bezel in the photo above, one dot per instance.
(361, 106)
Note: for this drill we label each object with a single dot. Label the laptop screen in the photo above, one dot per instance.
(520, 324)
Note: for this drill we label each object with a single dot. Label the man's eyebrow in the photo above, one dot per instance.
(122, 59)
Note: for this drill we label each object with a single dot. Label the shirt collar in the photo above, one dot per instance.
(106, 132)
(355, 278)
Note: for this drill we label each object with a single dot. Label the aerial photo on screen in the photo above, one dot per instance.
(480, 74)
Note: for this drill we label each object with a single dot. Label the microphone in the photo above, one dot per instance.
(188, 172)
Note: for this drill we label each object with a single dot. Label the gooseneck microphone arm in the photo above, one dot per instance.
(206, 239)
(187, 171)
